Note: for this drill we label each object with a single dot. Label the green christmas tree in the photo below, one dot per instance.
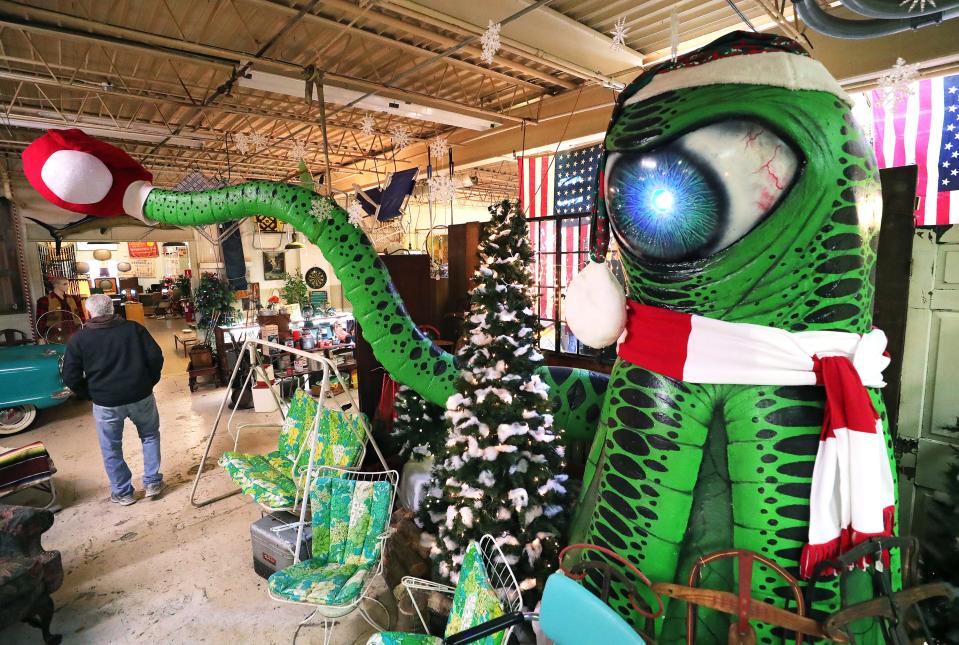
(501, 468)
(420, 426)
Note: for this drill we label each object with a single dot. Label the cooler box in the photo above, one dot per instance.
(273, 550)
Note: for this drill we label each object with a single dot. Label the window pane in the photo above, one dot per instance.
(547, 337)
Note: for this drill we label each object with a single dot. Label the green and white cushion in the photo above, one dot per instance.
(403, 638)
(348, 519)
(474, 603)
(268, 478)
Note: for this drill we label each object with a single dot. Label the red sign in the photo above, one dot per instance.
(143, 249)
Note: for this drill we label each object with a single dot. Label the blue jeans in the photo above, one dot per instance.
(109, 422)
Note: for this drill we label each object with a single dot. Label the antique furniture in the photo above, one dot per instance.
(184, 337)
(27, 467)
(28, 573)
(29, 380)
(194, 373)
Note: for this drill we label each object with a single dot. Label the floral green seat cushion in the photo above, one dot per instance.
(339, 440)
(348, 518)
(316, 583)
(474, 601)
(268, 478)
(403, 638)
(258, 477)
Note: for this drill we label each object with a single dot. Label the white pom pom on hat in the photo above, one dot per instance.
(596, 306)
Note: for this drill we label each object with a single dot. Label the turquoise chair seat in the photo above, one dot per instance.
(570, 613)
(316, 583)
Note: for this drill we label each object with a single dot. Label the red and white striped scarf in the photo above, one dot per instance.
(852, 496)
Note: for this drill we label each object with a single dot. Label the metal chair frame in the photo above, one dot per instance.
(255, 346)
(501, 577)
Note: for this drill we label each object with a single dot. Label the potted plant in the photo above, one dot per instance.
(213, 296)
(295, 291)
(182, 284)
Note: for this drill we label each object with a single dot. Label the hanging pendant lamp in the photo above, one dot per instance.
(294, 243)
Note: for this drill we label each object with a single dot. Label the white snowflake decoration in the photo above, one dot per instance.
(298, 151)
(258, 141)
(401, 137)
(367, 123)
(619, 34)
(356, 213)
(490, 42)
(439, 147)
(321, 209)
(441, 188)
(242, 142)
(922, 4)
(897, 84)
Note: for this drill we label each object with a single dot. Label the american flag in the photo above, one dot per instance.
(923, 130)
(576, 179)
(536, 182)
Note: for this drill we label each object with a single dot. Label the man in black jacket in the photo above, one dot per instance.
(116, 363)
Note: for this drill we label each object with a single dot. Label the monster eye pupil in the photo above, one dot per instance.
(663, 200)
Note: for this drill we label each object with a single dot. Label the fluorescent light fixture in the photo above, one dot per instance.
(278, 84)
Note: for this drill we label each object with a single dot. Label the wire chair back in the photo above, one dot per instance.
(501, 576)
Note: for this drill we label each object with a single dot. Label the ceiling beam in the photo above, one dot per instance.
(28, 19)
(312, 18)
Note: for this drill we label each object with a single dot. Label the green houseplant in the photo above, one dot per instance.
(213, 296)
(182, 284)
(295, 291)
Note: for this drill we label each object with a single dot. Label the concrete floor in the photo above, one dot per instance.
(162, 571)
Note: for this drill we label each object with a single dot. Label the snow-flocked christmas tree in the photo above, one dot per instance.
(419, 429)
(501, 468)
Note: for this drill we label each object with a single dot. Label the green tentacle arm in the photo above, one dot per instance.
(409, 356)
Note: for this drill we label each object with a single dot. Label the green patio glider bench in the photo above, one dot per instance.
(275, 480)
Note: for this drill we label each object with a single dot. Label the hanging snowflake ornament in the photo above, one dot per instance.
(439, 147)
(298, 151)
(367, 123)
(401, 137)
(619, 34)
(490, 42)
(321, 208)
(898, 84)
(441, 188)
(242, 142)
(356, 213)
(921, 4)
(258, 141)
(674, 34)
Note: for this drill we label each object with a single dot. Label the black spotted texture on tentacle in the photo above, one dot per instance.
(407, 354)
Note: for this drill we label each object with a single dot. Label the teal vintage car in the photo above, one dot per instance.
(29, 381)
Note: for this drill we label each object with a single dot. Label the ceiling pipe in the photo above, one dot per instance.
(894, 9)
(811, 14)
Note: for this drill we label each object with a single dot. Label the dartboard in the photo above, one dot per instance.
(316, 278)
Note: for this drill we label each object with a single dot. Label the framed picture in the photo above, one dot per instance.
(274, 265)
(105, 285)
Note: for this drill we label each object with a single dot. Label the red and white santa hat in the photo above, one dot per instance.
(76, 172)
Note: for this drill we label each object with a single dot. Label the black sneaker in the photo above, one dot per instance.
(154, 490)
(123, 500)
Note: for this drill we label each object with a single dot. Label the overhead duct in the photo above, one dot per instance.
(812, 14)
(895, 9)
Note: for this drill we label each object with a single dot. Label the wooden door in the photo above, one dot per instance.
(929, 403)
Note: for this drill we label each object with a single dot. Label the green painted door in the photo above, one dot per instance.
(929, 402)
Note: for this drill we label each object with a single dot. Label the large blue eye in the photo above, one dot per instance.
(699, 193)
(663, 204)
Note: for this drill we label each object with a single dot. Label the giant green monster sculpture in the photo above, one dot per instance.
(770, 227)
